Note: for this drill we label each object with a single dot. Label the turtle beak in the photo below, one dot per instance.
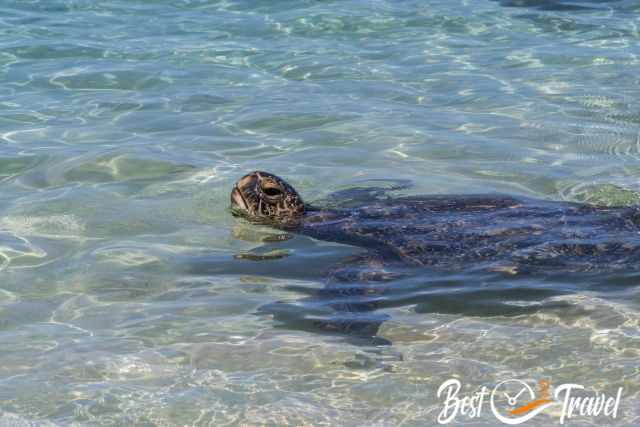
(237, 200)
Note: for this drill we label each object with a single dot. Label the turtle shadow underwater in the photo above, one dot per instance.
(472, 255)
(327, 300)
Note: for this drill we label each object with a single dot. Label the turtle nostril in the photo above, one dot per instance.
(237, 200)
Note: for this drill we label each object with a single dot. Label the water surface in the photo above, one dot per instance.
(124, 124)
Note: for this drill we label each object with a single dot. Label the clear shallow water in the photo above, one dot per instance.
(123, 126)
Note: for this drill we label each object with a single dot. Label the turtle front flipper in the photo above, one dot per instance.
(358, 284)
(314, 315)
(346, 306)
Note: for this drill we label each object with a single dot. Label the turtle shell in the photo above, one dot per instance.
(485, 232)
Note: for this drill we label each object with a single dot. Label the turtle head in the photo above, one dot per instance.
(264, 197)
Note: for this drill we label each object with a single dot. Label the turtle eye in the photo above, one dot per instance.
(271, 189)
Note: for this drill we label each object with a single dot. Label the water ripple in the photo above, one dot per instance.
(130, 296)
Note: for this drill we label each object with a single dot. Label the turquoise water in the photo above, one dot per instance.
(124, 124)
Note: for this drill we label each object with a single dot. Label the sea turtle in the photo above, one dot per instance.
(511, 236)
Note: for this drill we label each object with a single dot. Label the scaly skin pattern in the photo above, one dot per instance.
(451, 232)
(490, 232)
